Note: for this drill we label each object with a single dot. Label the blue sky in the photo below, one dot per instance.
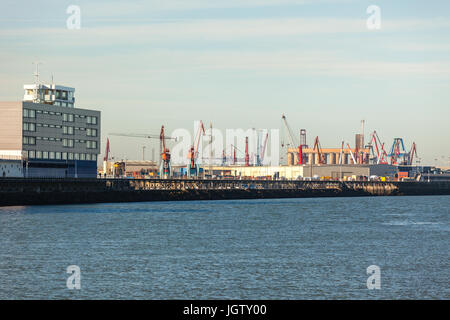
(241, 64)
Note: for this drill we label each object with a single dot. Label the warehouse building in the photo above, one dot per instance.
(305, 171)
(54, 138)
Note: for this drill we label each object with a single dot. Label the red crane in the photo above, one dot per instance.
(193, 151)
(318, 147)
(384, 156)
(381, 154)
(300, 155)
(373, 140)
(165, 155)
(106, 157)
(165, 167)
(412, 153)
(245, 159)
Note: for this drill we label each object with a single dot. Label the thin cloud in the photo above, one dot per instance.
(215, 30)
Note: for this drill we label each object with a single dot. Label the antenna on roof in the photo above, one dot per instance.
(36, 81)
(36, 73)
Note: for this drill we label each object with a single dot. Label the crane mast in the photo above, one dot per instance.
(193, 168)
(290, 134)
(318, 147)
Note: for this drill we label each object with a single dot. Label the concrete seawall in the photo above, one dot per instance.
(71, 191)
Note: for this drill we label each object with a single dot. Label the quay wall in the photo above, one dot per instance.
(70, 191)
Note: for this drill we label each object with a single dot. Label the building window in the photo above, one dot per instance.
(68, 143)
(45, 154)
(58, 155)
(91, 132)
(29, 126)
(68, 130)
(64, 155)
(29, 140)
(29, 113)
(91, 144)
(31, 154)
(82, 156)
(91, 120)
(70, 156)
(51, 155)
(38, 154)
(68, 117)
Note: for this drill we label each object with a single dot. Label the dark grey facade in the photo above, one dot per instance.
(55, 141)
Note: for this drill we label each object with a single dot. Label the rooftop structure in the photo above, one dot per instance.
(56, 95)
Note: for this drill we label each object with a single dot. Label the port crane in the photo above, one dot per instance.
(290, 135)
(247, 157)
(318, 147)
(193, 168)
(380, 155)
(412, 153)
(235, 159)
(165, 166)
(397, 151)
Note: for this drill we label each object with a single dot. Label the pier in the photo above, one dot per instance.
(69, 191)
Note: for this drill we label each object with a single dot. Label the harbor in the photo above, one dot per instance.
(225, 159)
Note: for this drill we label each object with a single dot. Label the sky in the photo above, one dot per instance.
(242, 64)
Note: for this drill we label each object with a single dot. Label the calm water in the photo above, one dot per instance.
(244, 249)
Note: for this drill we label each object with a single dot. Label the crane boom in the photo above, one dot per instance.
(192, 167)
(289, 131)
(412, 153)
(201, 130)
(142, 135)
(318, 147)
